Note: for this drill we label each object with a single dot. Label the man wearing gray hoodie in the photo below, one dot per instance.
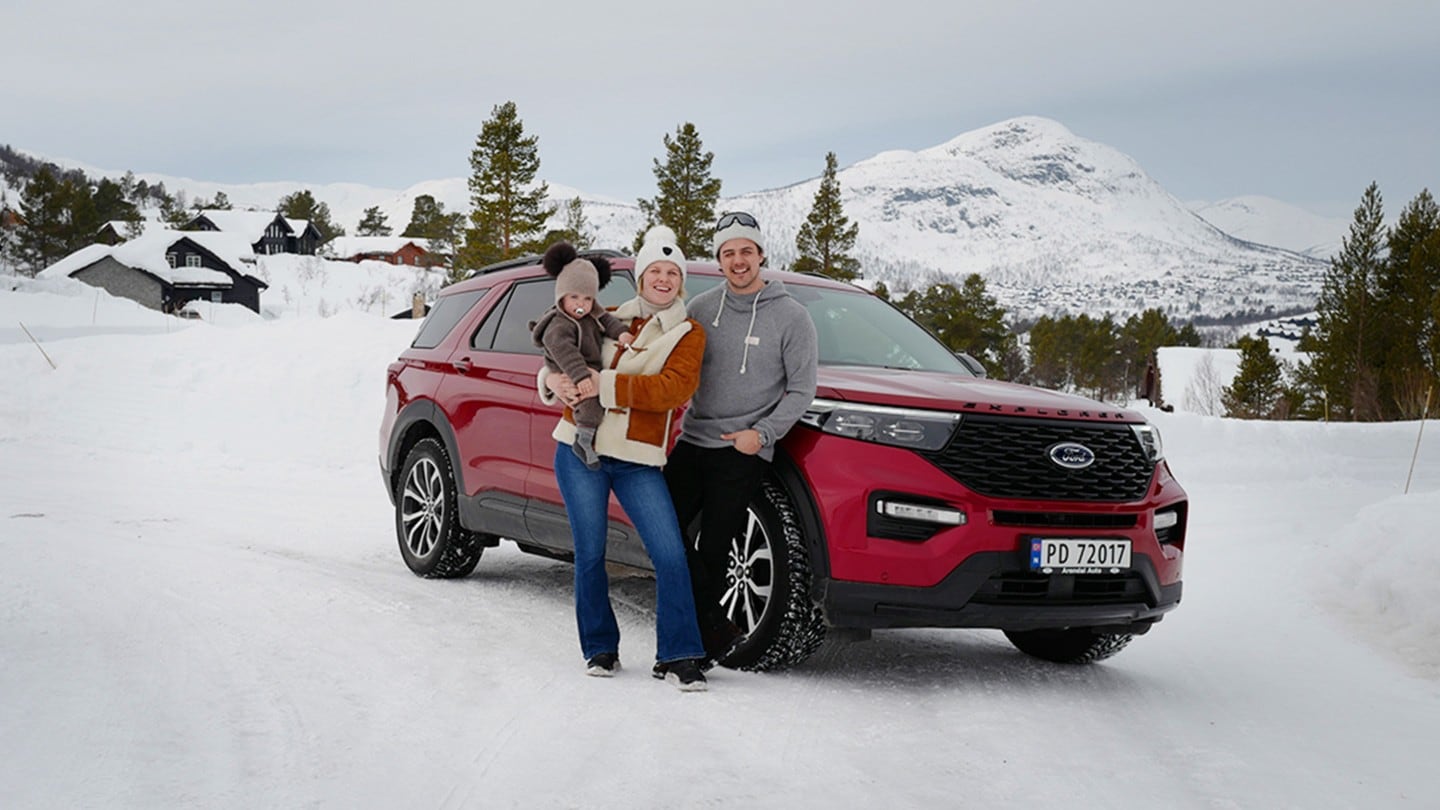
(756, 380)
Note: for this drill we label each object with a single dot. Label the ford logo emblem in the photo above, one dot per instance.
(1072, 455)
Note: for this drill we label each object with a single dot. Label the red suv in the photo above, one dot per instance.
(913, 493)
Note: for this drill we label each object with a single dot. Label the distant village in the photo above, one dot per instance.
(212, 258)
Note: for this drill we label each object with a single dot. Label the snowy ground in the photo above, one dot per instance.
(201, 605)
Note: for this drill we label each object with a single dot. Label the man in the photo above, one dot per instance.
(756, 380)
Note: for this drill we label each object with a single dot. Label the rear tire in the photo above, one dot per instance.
(427, 520)
(1072, 645)
(767, 586)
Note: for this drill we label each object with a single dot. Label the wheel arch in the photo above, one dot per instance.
(792, 481)
(421, 419)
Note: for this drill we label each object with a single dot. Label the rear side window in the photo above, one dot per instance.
(443, 316)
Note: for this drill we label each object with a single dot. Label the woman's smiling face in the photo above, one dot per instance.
(661, 283)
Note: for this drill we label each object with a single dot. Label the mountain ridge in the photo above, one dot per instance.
(1054, 222)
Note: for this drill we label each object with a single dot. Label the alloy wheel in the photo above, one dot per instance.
(422, 507)
(749, 574)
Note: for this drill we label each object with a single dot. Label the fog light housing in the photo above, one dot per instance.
(897, 516)
(943, 515)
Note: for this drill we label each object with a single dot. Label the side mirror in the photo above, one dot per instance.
(975, 366)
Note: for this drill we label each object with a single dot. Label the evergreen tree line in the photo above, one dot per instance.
(508, 210)
(59, 213)
(1374, 352)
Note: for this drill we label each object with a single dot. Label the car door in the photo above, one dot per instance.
(491, 403)
(546, 517)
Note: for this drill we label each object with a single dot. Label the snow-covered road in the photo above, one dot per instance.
(201, 605)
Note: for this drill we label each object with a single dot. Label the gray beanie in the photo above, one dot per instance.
(736, 225)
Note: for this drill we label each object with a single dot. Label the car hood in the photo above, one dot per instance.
(950, 392)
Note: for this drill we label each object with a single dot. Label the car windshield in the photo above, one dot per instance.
(855, 328)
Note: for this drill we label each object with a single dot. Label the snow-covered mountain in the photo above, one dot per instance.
(1269, 221)
(1054, 222)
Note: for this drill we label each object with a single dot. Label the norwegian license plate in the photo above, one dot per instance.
(1079, 555)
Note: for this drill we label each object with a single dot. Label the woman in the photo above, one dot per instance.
(640, 388)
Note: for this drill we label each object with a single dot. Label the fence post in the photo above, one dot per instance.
(1425, 412)
(53, 367)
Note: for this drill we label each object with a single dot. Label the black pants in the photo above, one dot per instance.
(714, 484)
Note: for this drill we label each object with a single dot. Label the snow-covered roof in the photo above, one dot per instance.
(251, 224)
(346, 246)
(297, 225)
(147, 253)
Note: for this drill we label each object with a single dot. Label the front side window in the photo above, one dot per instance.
(191, 260)
(858, 329)
(507, 329)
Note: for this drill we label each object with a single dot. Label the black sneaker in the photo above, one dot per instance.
(604, 665)
(685, 674)
(720, 640)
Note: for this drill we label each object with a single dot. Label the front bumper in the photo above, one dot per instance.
(997, 590)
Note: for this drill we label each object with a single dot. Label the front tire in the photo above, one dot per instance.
(427, 520)
(767, 586)
(1072, 645)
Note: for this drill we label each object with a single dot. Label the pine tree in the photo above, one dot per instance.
(504, 213)
(425, 218)
(1407, 287)
(221, 202)
(303, 205)
(827, 234)
(1342, 349)
(1257, 392)
(687, 193)
(966, 319)
(111, 205)
(42, 240)
(172, 209)
(372, 223)
(442, 231)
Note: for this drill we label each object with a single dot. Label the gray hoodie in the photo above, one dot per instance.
(759, 367)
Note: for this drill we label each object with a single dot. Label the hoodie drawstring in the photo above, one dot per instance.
(750, 330)
(754, 308)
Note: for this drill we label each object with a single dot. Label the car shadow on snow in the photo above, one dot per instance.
(892, 658)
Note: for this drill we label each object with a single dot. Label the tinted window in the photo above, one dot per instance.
(855, 328)
(858, 329)
(443, 316)
(509, 323)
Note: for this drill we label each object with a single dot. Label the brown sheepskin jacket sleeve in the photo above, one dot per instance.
(672, 386)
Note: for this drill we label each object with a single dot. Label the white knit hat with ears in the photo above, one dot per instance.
(659, 245)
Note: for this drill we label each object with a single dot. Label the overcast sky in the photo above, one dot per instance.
(1305, 102)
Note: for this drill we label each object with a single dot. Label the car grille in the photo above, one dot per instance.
(1027, 588)
(1063, 520)
(1008, 457)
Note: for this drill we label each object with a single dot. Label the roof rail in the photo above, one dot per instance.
(534, 258)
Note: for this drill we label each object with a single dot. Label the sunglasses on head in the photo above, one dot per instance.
(726, 220)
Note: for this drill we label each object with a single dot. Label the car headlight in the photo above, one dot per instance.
(900, 427)
(1149, 438)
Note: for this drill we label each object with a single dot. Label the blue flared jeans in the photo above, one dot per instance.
(645, 498)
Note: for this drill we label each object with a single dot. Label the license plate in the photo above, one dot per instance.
(1076, 555)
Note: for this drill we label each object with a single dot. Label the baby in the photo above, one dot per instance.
(570, 333)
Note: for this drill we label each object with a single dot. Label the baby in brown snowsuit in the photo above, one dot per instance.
(570, 333)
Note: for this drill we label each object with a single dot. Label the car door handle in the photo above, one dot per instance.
(462, 365)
